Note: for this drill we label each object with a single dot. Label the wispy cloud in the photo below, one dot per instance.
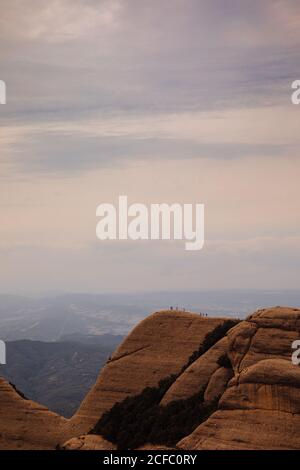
(181, 100)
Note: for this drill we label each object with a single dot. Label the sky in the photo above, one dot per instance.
(183, 101)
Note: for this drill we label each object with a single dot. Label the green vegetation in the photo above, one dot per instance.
(140, 419)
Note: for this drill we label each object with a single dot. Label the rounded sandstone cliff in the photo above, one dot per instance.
(197, 376)
(159, 346)
(24, 424)
(260, 408)
(247, 375)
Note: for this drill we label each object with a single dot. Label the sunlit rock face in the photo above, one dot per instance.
(246, 374)
(157, 347)
(25, 424)
(260, 408)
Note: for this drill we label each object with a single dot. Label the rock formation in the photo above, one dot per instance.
(157, 347)
(25, 424)
(262, 400)
(245, 378)
(87, 442)
(197, 375)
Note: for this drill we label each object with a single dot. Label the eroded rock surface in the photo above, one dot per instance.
(197, 375)
(217, 384)
(260, 408)
(24, 424)
(88, 442)
(249, 371)
(159, 346)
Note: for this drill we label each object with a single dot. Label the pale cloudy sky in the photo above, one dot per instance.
(162, 100)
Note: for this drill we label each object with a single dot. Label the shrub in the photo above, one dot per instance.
(224, 361)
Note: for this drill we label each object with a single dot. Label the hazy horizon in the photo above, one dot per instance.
(132, 293)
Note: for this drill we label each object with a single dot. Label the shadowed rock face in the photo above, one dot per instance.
(262, 401)
(217, 384)
(257, 386)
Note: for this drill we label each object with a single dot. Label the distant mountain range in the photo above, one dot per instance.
(58, 374)
(55, 318)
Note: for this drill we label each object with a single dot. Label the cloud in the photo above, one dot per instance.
(64, 58)
(55, 20)
(147, 266)
(186, 101)
(66, 148)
